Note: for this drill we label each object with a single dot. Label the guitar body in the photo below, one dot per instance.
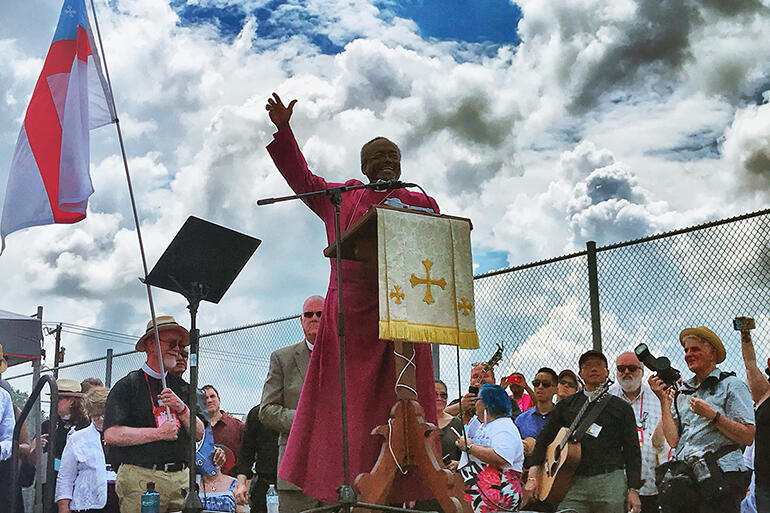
(561, 461)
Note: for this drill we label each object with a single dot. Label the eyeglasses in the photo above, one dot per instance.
(568, 383)
(631, 368)
(309, 315)
(545, 384)
(442, 395)
(172, 343)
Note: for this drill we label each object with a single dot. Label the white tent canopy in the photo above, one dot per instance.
(20, 336)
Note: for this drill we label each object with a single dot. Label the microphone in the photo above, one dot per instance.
(384, 185)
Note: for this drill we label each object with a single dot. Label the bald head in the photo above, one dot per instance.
(627, 358)
(311, 316)
(629, 372)
(478, 371)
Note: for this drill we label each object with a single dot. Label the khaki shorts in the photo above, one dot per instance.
(132, 481)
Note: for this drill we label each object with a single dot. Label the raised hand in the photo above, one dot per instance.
(279, 113)
(660, 389)
(220, 458)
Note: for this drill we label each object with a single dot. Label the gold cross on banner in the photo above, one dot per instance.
(398, 294)
(414, 280)
(464, 305)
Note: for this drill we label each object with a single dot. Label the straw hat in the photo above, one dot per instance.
(68, 388)
(707, 335)
(3, 362)
(164, 322)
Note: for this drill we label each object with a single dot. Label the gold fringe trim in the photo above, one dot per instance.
(428, 333)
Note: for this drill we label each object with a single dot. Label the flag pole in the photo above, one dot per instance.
(133, 204)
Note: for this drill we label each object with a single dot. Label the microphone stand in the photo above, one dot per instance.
(347, 496)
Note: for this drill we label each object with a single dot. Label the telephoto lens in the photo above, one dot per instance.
(661, 366)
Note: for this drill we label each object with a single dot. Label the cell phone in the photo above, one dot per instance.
(514, 378)
(743, 324)
(473, 390)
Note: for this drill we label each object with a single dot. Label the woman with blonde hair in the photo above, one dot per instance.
(82, 481)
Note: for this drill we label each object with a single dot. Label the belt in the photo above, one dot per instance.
(595, 470)
(165, 467)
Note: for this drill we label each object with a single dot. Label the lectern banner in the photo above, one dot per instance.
(425, 279)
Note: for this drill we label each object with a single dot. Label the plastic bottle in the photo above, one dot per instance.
(271, 497)
(150, 500)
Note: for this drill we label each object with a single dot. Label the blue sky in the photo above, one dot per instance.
(490, 22)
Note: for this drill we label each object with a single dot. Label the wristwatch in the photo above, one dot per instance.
(633, 490)
(468, 449)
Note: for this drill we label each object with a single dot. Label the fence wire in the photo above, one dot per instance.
(649, 290)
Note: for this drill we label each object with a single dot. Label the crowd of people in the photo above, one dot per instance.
(647, 447)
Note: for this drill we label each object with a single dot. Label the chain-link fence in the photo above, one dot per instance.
(235, 361)
(647, 290)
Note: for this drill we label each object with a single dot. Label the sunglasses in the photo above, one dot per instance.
(631, 368)
(568, 383)
(309, 315)
(537, 383)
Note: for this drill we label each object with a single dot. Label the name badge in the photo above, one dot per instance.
(640, 432)
(161, 418)
(594, 430)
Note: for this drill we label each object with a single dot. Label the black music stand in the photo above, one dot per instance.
(201, 263)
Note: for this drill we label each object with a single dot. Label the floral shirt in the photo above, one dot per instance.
(488, 488)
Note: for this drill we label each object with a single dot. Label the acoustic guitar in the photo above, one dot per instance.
(563, 454)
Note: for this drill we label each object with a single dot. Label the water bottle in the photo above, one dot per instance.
(271, 498)
(150, 500)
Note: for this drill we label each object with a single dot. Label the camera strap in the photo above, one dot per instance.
(710, 382)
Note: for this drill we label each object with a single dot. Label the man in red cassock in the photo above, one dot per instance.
(313, 457)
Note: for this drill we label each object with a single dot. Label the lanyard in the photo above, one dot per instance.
(149, 392)
(641, 405)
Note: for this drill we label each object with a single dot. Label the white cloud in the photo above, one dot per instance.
(604, 124)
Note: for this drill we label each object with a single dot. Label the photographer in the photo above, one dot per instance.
(714, 419)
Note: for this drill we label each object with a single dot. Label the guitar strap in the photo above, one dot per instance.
(593, 413)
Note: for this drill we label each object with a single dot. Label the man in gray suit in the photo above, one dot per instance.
(280, 396)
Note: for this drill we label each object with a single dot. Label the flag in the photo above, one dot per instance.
(49, 180)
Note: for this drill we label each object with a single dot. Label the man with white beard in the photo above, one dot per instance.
(646, 405)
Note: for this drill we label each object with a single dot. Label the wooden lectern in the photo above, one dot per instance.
(409, 443)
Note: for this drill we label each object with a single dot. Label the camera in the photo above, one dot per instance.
(743, 324)
(513, 378)
(661, 366)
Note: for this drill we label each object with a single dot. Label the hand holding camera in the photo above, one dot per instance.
(661, 366)
(468, 403)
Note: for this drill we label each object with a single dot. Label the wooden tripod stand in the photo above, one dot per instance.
(408, 448)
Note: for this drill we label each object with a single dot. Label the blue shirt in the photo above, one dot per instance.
(7, 423)
(731, 398)
(531, 422)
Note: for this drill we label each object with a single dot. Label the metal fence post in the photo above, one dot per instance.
(37, 421)
(593, 291)
(435, 348)
(108, 369)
